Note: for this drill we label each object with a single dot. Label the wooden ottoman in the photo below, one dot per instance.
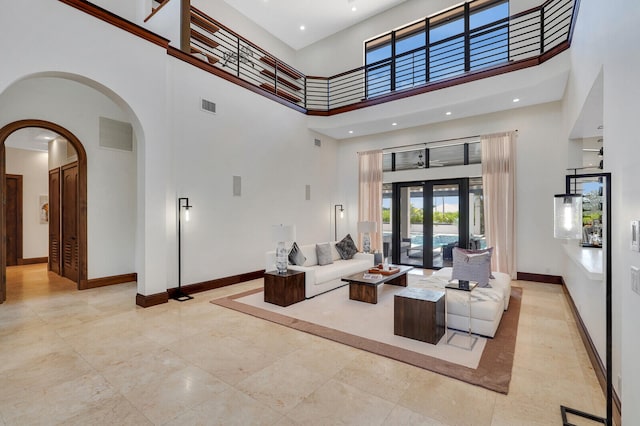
(419, 314)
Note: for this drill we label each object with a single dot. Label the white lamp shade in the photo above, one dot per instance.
(567, 216)
(283, 233)
(367, 227)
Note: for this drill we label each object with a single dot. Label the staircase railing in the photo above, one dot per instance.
(524, 39)
(223, 48)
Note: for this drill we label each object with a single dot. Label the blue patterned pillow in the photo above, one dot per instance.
(346, 247)
(472, 265)
(295, 255)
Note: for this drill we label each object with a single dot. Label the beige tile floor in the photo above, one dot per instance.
(94, 358)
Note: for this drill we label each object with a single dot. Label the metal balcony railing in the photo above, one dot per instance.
(521, 37)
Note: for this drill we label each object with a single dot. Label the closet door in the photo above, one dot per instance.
(69, 201)
(13, 215)
(54, 220)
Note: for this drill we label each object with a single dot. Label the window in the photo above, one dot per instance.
(410, 56)
(465, 38)
(455, 153)
(378, 58)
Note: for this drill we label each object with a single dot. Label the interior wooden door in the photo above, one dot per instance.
(69, 213)
(13, 215)
(54, 220)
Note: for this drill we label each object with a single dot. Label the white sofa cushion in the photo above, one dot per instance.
(500, 281)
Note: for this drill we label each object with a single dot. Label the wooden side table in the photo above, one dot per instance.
(284, 289)
(419, 314)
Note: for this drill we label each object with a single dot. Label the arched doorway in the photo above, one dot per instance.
(81, 197)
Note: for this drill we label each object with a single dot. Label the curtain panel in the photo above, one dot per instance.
(499, 187)
(370, 195)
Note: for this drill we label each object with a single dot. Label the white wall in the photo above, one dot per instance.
(539, 172)
(32, 165)
(270, 147)
(61, 153)
(111, 174)
(621, 106)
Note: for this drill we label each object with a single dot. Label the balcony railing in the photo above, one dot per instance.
(512, 41)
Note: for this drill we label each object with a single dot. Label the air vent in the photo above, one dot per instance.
(208, 106)
(116, 134)
(318, 142)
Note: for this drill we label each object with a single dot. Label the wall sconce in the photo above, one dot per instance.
(567, 216)
(280, 234)
(335, 219)
(179, 295)
(366, 228)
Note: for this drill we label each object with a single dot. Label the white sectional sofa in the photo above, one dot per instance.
(320, 279)
(487, 303)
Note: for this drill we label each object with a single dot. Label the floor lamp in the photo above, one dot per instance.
(335, 219)
(568, 225)
(179, 295)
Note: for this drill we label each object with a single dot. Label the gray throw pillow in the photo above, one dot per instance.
(295, 255)
(346, 247)
(472, 265)
(323, 251)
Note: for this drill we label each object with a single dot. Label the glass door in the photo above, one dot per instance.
(428, 219)
(445, 223)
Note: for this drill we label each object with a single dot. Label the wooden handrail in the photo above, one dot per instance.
(154, 11)
(117, 21)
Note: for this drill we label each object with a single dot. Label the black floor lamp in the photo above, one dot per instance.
(179, 295)
(568, 225)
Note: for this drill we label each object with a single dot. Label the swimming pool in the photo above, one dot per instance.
(438, 240)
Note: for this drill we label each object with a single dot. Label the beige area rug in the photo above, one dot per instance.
(370, 327)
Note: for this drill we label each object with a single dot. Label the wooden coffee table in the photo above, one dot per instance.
(366, 289)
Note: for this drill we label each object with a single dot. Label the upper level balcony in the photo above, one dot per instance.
(466, 43)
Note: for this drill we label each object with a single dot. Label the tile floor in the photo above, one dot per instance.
(93, 357)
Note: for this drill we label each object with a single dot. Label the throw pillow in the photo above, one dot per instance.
(295, 255)
(472, 265)
(346, 247)
(323, 251)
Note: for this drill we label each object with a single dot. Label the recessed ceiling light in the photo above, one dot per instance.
(448, 113)
(350, 132)
(353, 9)
(302, 27)
(516, 99)
(394, 124)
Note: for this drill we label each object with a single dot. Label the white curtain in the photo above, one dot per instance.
(370, 195)
(499, 187)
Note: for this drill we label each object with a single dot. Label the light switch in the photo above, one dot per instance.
(635, 279)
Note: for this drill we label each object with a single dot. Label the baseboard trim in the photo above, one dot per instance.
(152, 299)
(115, 279)
(592, 353)
(33, 260)
(539, 278)
(159, 298)
(217, 283)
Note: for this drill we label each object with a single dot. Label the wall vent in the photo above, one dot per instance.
(208, 106)
(237, 186)
(116, 134)
(318, 142)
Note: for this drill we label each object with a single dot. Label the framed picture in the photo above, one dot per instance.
(635, 235)
(43, 204)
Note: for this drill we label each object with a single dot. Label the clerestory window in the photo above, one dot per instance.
(471, 36)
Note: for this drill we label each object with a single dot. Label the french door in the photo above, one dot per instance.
(428, 219)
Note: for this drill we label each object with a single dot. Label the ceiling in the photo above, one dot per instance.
(321, 18)
(31, 138)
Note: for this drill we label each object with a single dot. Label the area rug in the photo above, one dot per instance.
(489, 365)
